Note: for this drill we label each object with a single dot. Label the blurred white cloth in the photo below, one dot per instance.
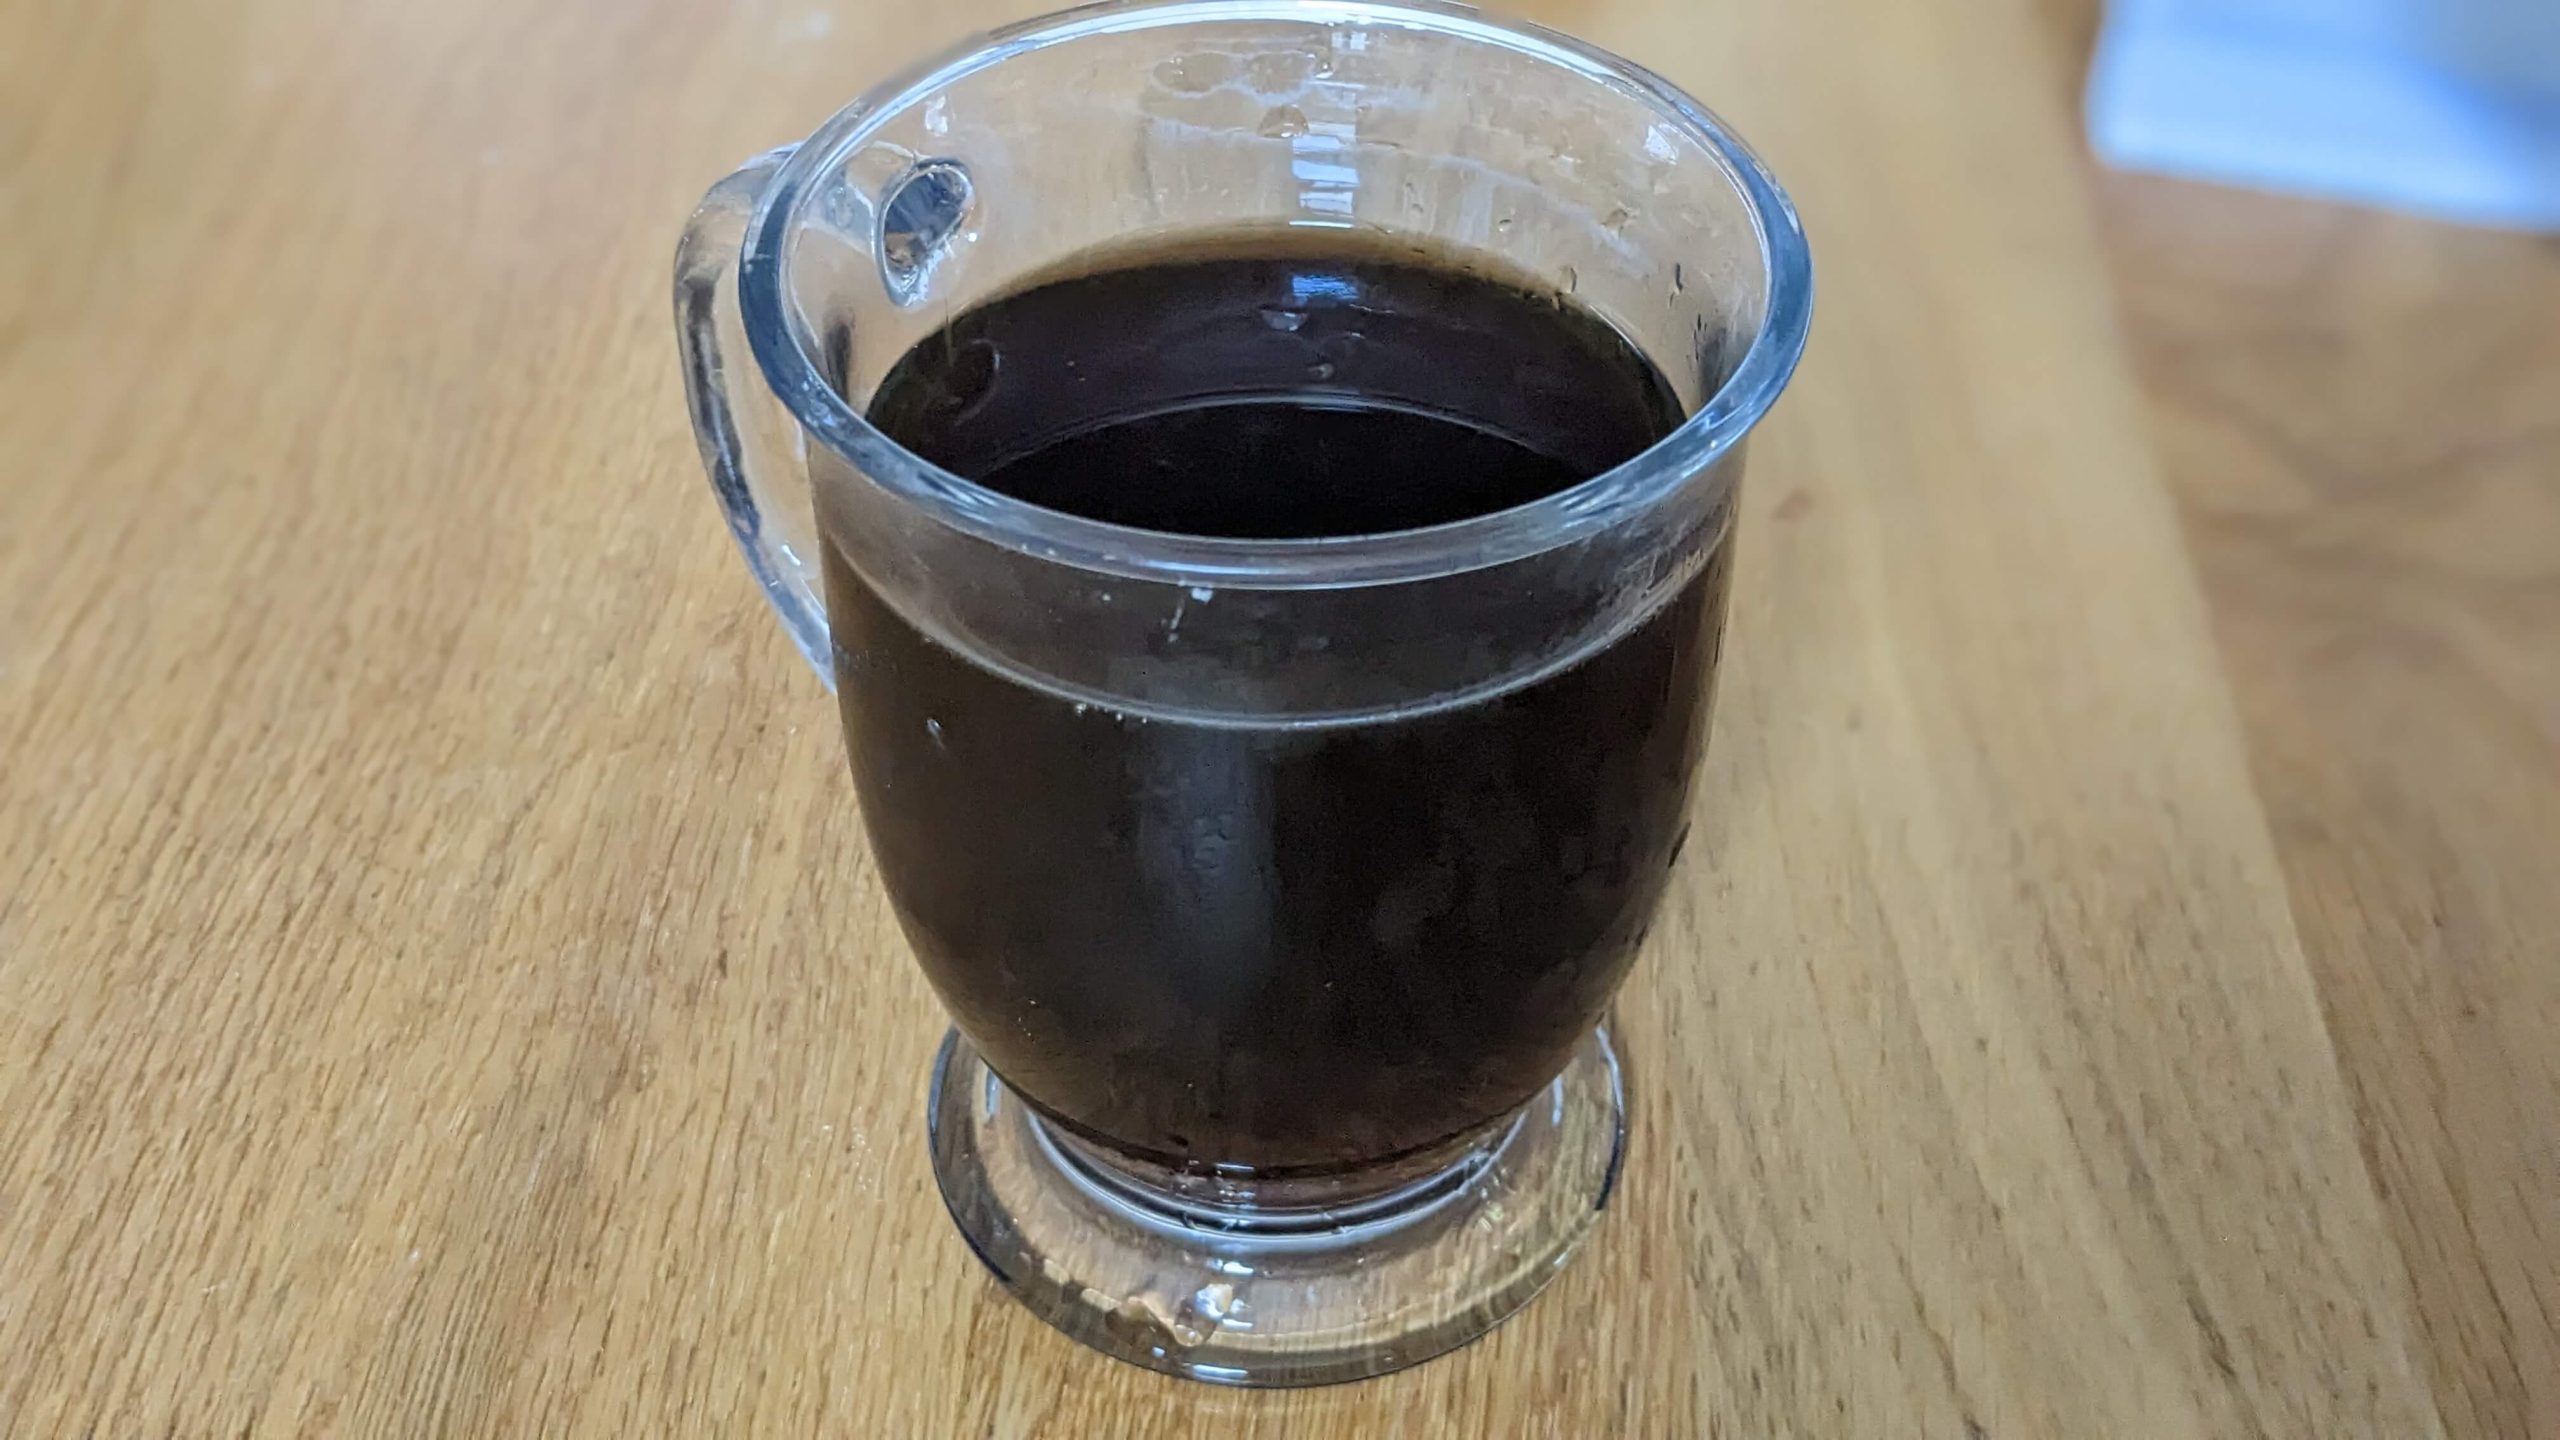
(2448, 108)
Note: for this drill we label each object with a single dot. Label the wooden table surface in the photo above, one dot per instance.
(442, 990)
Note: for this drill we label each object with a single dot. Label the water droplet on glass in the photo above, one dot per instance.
(1274, 73)
(1571, 278)
(933, 732)
(1282, 317)
(1502, 226)
(1412, 197)
(1192, 74)
(1282, 122)
(1618, 219)
(1679, 277)
(1320, 371)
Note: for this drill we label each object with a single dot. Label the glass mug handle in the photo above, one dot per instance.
(751, 449)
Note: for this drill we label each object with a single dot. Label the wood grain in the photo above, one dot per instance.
(442, 990)
(2361, 415)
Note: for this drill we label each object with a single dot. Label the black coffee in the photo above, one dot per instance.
(1293, 948)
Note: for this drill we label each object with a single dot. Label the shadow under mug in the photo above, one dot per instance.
(1278, 888)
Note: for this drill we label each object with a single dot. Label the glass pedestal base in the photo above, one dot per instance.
(1244, 1280)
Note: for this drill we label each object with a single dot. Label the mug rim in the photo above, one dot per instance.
(1611, 497)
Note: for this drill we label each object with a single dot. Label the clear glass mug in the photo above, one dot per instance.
(1278, 888)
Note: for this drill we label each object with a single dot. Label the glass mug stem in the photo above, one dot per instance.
(1276, 849)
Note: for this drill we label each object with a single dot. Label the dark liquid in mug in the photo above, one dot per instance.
(1293, 948)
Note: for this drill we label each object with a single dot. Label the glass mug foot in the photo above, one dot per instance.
(1242, 1281)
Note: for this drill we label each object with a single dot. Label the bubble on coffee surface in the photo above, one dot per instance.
(968, 377)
